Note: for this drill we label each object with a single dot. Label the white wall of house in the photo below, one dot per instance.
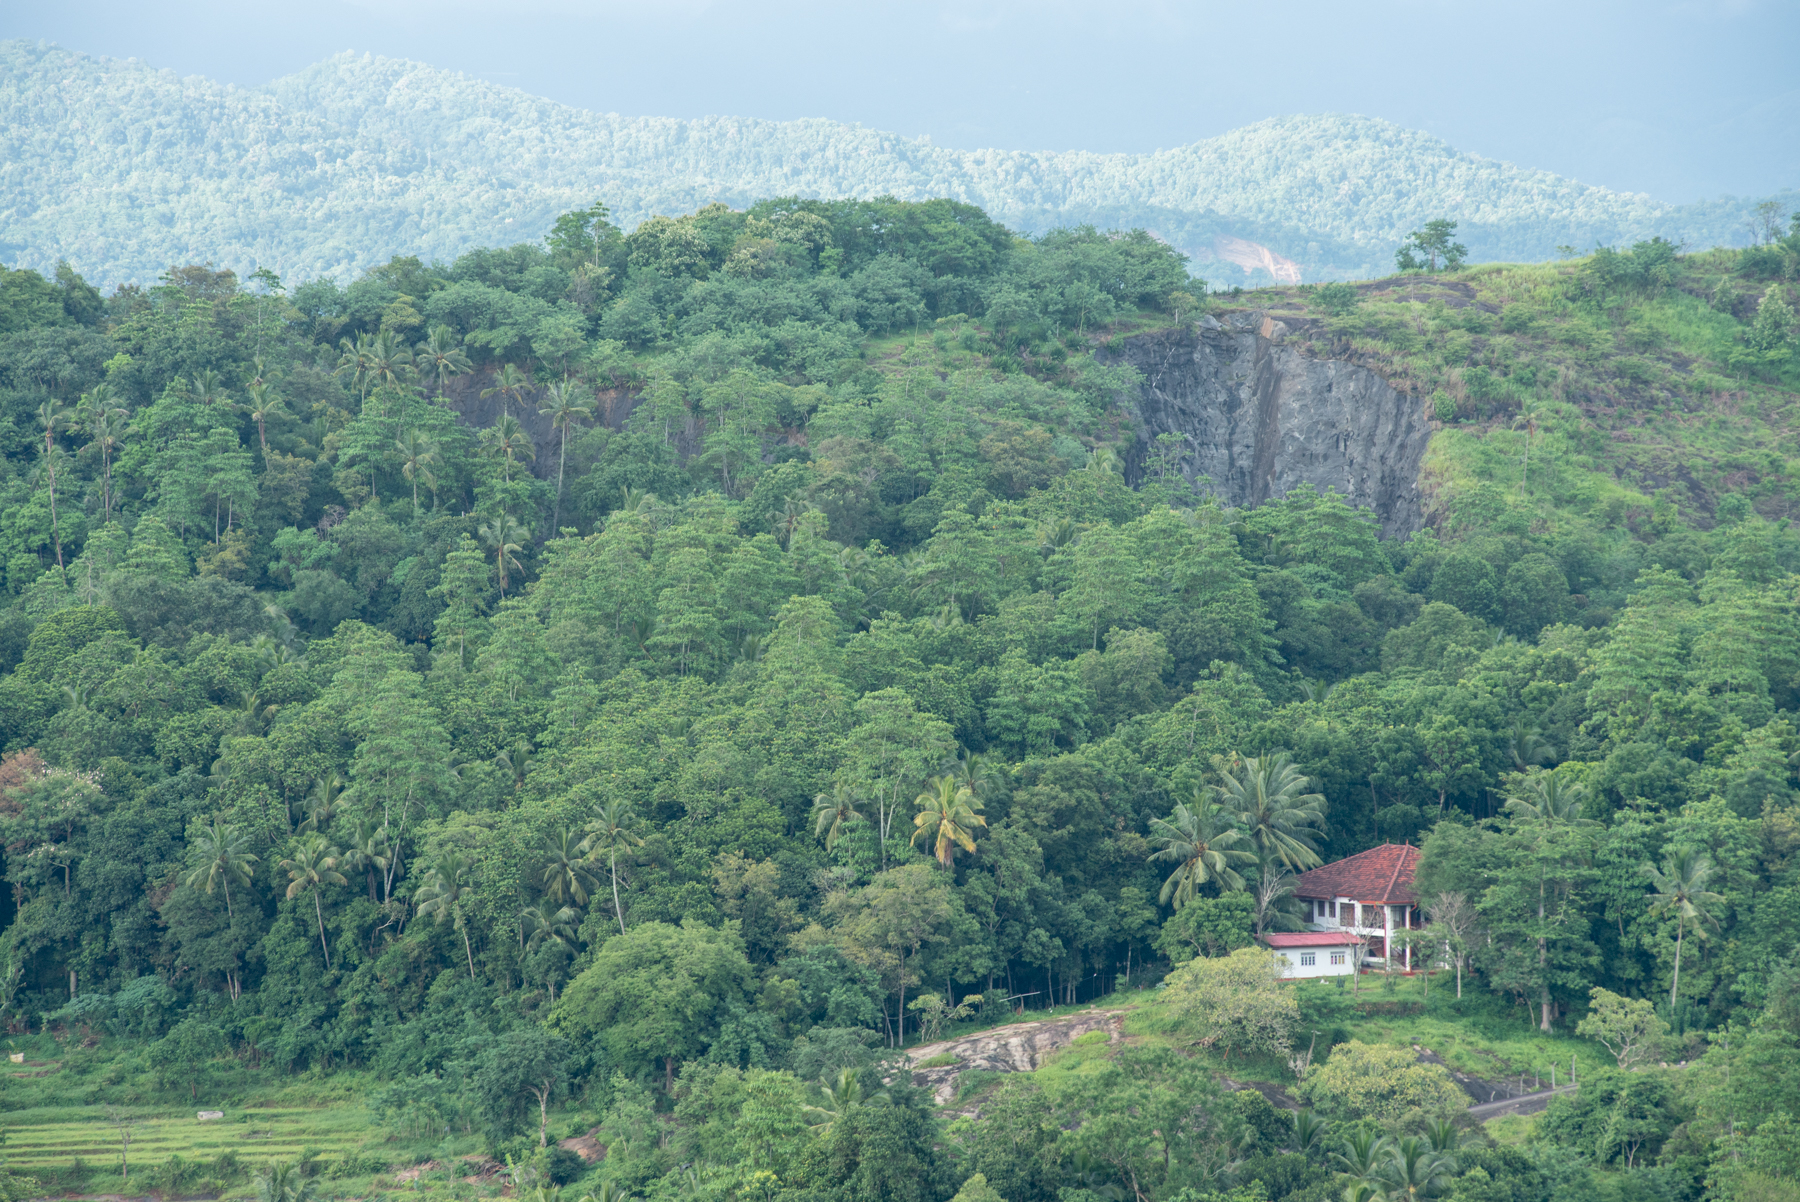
(1296, 963)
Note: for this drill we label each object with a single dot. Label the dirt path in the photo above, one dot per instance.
(1531, 1103)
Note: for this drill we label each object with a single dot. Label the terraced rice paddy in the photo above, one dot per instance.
(55, 1138)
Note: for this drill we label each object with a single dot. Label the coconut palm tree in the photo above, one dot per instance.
(563, 404)
(1446, 1136)
(282, 1183)
(566, 875)
(1309, 1133)
(609, 834)
(209, 389)
(322, 802)
(505, 537)
(222, 860)
(1203, 843)
(1680, 888)
(1526, 746)
(973, 771)
(831, 811)
(418, 455)
(367, 852)
(547, 922)
(843, 1094)
(515, 760)
(948, 815)
(1414, 1170)
(441, 894)
(1550, 802)
(390, 361)
(1362, 1155)
(509, 442)
(439, 357)
(511, 382)
(264, 404)
(1269, 798)
(1529, 418)
(312, 867)
(354, 358)
(105, 423)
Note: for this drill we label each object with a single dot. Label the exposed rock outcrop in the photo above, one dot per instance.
(1017, 1048)
(1260, 418)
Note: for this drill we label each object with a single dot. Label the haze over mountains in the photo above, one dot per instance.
(124, 169)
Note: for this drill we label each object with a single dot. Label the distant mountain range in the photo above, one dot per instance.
(125, 169)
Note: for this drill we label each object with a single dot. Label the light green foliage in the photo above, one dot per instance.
(1629, 1029)
(1378, 1081)
(656, 994)
(977, 1189)
(1234, 1003)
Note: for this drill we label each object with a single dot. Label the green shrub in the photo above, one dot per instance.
(1388, 1084)
(561, 1165)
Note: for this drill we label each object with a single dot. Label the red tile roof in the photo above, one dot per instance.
(1381, 876)
(1312, 939)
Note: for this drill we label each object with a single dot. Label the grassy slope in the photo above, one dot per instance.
(1466, 1035)
(1638, 392)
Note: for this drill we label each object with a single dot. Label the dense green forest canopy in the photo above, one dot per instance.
(815, 668)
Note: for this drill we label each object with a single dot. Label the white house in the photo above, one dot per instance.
(1368, 895)
(1313, 953)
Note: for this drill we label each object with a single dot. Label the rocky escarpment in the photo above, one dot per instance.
(1259, 418)
(1017, 1048)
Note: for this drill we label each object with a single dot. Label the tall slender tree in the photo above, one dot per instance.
(312, 867)
(505, 537)
(510, 382)
(566, 876)
(439, 358)
(1546, 813)
(264, 405)
(564, 404)
(224, 858)
(440, 895)
(948, 815)
(418, 455)
(390, 361)
(833, 811)
(609, 834)
(1679, 888)
(53, 416)
(508, 442)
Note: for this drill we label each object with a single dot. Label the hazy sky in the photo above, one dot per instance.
(1681, 100)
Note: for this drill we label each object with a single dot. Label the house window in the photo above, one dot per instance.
(1308, 959)
(1337, 957)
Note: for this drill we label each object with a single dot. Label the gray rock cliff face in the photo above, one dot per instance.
(1260, 419)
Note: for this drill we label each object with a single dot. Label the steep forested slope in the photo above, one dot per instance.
(124, 169)
(845, 644)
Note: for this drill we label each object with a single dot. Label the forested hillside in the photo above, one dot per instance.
(122, 169)
(841, 662)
